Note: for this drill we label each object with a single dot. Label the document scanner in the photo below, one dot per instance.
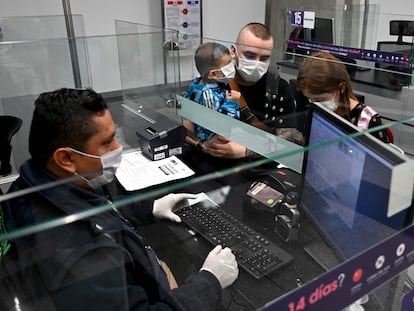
(159, 136)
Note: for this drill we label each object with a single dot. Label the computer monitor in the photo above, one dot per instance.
(346, 184)
(345, 193)
(323, 31)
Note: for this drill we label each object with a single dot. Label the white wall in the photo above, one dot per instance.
(99, 15)
(392, 10)
(402, 7)
(30, 8)
(221, 20)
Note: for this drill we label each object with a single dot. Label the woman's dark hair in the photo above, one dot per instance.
(324, 73)
(62, 118)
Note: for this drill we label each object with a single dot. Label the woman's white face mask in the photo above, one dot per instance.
(251, 70)
(331, 104)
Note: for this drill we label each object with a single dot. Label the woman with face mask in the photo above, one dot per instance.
(323, 78)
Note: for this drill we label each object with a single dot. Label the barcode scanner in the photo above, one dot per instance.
(291, 199)
(287, 220)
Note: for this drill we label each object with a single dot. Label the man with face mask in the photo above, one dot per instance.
(269, 98)
(100, 262)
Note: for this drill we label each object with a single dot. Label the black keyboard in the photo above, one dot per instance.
(255, 253)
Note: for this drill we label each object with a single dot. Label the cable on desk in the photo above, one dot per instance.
(233, 299)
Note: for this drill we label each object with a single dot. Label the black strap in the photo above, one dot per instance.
(272, 86)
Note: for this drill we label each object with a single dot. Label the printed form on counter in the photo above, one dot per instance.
(137, 172)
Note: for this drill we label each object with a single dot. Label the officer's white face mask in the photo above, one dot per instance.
(110, 162)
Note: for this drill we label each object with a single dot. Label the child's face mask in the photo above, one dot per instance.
(228, 71)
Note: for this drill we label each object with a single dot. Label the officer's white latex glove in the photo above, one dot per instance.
(222, 263)
(162, 207)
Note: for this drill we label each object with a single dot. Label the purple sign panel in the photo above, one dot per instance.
(408, 302)
(297, 18)
(305, 19)
(394, 59)
(343, 285)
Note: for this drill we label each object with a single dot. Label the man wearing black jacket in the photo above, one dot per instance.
(98, 262)
(269, 99)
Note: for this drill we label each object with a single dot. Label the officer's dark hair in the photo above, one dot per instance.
(62, 118)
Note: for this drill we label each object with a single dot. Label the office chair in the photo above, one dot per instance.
(401, 28)
(9, 126)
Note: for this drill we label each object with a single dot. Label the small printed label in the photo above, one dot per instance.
(159, 156)
(305, 19)
(175, 151)
(160, 148)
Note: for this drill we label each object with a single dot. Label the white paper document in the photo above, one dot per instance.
(137, 172)
(202, 196)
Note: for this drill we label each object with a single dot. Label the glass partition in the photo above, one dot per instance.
(377, 50)
(320, 221)
(307, 250)
(148, 64)
(21, 28)
(354, 32)
(35, 56)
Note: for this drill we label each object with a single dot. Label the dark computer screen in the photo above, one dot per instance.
(346, 185)
(323, 31)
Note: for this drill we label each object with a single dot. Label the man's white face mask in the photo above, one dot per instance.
(110, 162)
(251, 70)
